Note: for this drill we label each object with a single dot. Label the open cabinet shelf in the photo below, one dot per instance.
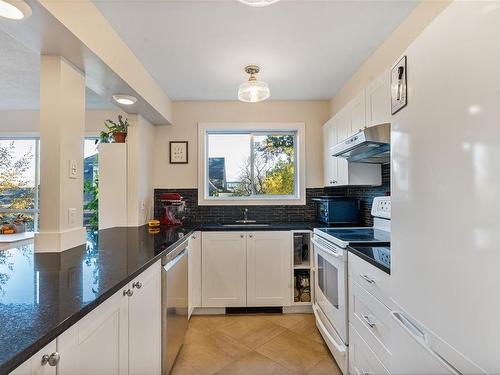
(301, 270)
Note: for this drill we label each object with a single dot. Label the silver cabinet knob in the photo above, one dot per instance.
(137, 285)
(51, 360)
(193, 237)
(251, 235)
(242, 235)
(128, 293)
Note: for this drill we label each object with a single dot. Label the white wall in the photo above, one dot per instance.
(187, 115)
(140, 140)
(384, 57)
(26, 123)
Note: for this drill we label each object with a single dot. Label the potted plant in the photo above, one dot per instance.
(116, 131)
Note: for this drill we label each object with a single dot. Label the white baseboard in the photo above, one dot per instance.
(209, 311)
(56, 242)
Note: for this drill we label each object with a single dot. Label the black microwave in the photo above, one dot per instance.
(337, 210)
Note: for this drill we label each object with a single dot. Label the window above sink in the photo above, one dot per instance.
(251, 164)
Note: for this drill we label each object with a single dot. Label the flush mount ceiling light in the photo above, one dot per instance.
(124, 99)
(253, 90)
(14, 9)
(258, 3)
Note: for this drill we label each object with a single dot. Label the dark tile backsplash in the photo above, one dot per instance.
(276, 214)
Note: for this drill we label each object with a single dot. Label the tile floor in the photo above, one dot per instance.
(278, 344)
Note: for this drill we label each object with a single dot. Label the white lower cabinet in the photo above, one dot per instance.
(44, 362)
(268, 268)
(246, 269)
(369, 318)
(224, 263)
(120, 336)
(194, 271)
(144, 323)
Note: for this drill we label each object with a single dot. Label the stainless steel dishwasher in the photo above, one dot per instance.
(174, 311)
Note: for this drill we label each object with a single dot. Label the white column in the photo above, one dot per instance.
(62, 129)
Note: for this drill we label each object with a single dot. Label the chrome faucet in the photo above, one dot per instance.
(245, 214)
(245, 218)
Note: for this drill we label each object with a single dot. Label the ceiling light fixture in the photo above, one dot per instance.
(258, 3)
(253, 91)
(124, 99)
(14, 9)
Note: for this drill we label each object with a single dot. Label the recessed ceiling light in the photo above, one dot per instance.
(124, 99)
(258, 3)
(14, 9)
(253, 91)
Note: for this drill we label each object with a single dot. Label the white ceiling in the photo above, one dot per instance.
(307, 50)
(20, 78)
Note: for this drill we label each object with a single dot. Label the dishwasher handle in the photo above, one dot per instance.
(174, 261)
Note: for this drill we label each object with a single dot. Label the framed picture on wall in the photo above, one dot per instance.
(178, 152)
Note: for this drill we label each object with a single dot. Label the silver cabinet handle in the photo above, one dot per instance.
(363, 372)
(250, 235)
(128, 293)
(368, 321)
(51, 360)
(137, 285)
(242, 235)
(193, 237)
(367, 278)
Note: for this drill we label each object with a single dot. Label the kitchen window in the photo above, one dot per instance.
(259, 164)
(19, 181)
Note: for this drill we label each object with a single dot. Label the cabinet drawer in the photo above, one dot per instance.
(362, 361)
(376, 281)
(372, 320)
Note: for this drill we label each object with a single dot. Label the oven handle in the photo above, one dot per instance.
(322, 248)
(340, 348)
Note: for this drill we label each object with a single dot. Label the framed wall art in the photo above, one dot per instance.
(178, 152)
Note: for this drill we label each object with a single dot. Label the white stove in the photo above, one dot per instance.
(330, 276)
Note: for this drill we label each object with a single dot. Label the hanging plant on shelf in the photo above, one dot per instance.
(116, 131)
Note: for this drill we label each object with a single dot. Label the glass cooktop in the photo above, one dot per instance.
(359, 235)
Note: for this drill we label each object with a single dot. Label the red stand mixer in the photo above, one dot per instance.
(173, 209)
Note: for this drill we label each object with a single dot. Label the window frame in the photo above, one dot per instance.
(36, 210)
(204, 129)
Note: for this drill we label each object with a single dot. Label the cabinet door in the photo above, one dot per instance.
(194, 271)
(269, 271)
(145, 322)
(98, 343)
(358, 113)
(378, 100)
(224, 269)
(329, 162)
(34, 366)
(343, 126)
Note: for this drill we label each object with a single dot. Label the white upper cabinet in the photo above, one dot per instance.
(268, 268)
(194, 271)
(224, 263)
(97, 344)
(145, 322)
(357, 109)
(329, 162)
(378, 100)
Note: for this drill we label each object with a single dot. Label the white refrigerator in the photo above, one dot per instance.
(445, 235)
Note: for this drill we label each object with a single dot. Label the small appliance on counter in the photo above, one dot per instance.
(173, 209)
(337, 210)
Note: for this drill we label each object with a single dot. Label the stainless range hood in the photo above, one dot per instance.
(370, 145)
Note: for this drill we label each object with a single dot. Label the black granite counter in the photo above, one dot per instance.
(43, 294)
(379, 256)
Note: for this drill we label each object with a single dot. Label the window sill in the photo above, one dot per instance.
(252, 202)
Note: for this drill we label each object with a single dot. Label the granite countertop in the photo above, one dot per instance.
(43, 294)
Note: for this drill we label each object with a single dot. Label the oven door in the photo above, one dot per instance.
(330, 284)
